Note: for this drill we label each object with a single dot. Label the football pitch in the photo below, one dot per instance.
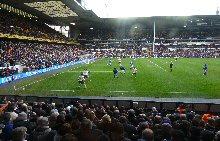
(154, 79)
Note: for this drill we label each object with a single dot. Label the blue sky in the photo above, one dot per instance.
(147, 8)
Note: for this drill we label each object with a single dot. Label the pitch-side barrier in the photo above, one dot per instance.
(195, 104)
(35, 72)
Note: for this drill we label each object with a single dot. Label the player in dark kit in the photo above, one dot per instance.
(171, 66)
(115, 71)
(205, 69)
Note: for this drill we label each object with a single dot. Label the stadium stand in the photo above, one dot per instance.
(20, 26)
(179, 33)
(161, 50)
(35, 56)
(74, 120)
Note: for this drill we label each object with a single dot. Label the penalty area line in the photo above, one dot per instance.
(62, 90)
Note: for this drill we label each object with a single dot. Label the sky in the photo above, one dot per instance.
(148, 8)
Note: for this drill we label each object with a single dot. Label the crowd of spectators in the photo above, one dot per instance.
(13, 24)
(73, 121)
(131, 49)
(4, 72)
(201, 51)
(188, 53)
(147, 34)
(36, 55)
(187, 34)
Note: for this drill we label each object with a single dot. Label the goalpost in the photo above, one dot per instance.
(154, 40)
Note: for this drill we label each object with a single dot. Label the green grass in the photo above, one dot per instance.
(186, 80)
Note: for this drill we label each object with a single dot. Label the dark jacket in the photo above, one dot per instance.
(29, 125)
(42, 134)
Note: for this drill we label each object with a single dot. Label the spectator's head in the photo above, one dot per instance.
(42, 121)
(177, 135)
(117, 131)
(19, 134)
(106, 119)
(142, 126)
(123, 119)
(7, 117)
(74, 111)
(184, 126)
(104, 137)
(24, 107)
(22, 116)
(87, 113)
(217, 123)
(207, 135)
(116, 113)
(131, 114)
(217, 136)
(60, 119)
(68, 137)
(154, 109)
(148, 135)
(86, 125)
(92, 116)
(211, 121)
(195, 133)
(157, 119)
(65, 128)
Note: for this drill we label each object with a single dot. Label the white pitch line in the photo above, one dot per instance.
(178, 92)
(157, 65)
(93, 71)
(62, 90)
(121, 91)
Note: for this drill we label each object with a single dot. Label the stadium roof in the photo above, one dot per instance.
(52, 8)
(64, 12)
(58, 12)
